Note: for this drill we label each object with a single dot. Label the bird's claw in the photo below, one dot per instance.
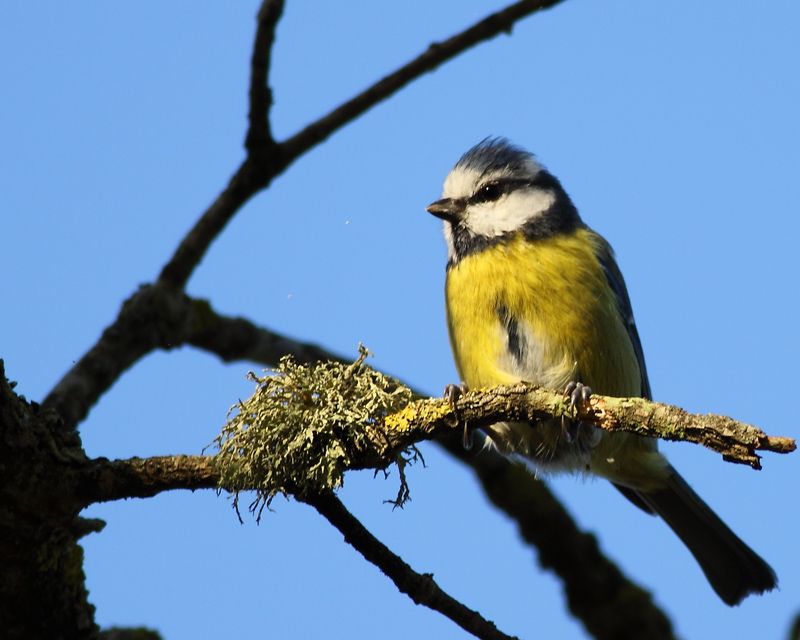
(578, 393)
(452, 392)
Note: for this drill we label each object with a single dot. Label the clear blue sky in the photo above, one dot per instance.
(674, 126)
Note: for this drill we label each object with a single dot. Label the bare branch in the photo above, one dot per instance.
(266, 160)
(158, 317)
(248, 180)
(438, 53)
(421, 588)
(125, 633)
(236, 339)
(147, 320)
(608, 603)
(259, 134)
(103, 480)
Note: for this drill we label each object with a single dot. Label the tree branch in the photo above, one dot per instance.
(432, 418)
(103, 480)
(610, 606)
(265, 160)
(605, 600)
(151, 318)
(736, 441)
(259, 134)
(114, 352)
(541, 518)
(159, 317)
(421, 588)
(438, 53)
(436, 418)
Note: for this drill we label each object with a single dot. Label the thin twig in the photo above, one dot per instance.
(500, 22)
(421, 588)
(264, 162)
(259, 133)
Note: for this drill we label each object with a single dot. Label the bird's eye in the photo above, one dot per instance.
(488, 192)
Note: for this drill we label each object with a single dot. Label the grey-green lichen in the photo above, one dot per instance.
(299, 429)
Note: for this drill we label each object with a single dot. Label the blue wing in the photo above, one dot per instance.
(617, 283)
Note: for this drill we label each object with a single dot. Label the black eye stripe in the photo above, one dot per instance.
(489, 192)
(494, 190)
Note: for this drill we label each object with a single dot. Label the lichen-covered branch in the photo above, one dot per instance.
(736, 441)
(421, 588)
(428, 419)
(609, 605)
(307, 424)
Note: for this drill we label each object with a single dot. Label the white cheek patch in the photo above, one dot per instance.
(509, 213)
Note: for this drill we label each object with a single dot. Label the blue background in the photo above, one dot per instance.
(674, 127)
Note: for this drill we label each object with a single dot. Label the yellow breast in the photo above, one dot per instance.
(557, 290)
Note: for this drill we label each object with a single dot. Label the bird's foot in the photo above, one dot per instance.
(579, 395)
(452, 392)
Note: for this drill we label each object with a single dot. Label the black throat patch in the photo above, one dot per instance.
(561, 217)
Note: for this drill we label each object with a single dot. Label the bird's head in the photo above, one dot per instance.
(496, 190)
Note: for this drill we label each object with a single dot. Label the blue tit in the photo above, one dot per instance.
(534, 294)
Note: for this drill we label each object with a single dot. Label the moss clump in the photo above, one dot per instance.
(299, 429)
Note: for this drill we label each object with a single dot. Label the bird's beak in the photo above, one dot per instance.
(449, 209)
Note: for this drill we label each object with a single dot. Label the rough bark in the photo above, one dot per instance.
(42, 594)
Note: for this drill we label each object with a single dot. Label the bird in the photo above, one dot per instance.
(533, 294)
